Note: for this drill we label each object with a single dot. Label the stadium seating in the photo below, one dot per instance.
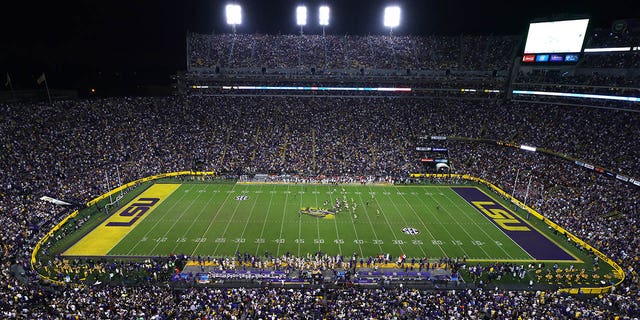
(343, 52)
(64, 150)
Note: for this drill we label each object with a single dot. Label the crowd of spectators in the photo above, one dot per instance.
(348, 51)
(616, 60)
(65, 150)
(418, 62)
(609, 84)
(333, 52)
(603, 38)
(159, 302)
(608, 73)
(596, 208)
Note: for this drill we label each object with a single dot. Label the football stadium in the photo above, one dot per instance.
(318, 175)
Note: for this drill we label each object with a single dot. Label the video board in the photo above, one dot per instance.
(555, 41)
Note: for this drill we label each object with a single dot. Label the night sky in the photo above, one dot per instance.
(86, 43)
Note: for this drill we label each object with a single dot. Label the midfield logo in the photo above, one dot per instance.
(317, 212)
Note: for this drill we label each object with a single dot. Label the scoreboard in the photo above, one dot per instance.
(434, 154)
(555, 42)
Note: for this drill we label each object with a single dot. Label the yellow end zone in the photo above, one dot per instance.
(104, 237)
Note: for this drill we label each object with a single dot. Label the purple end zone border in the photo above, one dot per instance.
(532, 241)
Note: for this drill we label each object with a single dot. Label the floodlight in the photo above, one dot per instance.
(234, 14)
(301, 15)
(392, 16)
(324, 15)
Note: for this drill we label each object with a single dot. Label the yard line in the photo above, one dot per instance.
(161, 219)
(184, 211)
(419, 196)
(192, 223)
(264, 223)
(335, 223)
(249, 217)
(370, 223)
(318, 236)
(227, 225)
(387, 221)
(299, 226)
(284, 214)
(424, 253)
(352, 224)
(229, 194)
(483, 230)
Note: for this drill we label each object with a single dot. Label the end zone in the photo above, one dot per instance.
(530, 239)
(107, 235)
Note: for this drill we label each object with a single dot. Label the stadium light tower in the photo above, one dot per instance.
(234, 15)
(301, 16)
(324, 17)
(391, 17)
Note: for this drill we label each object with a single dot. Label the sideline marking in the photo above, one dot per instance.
(109, 233)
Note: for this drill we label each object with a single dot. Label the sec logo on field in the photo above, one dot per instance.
(411, 231)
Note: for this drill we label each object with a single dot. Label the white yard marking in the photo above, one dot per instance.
(424, 225)
(396, 241)
(264, 223)
(367, 214)
(197, 220)
(331, 200)
(246, 223)
(212, 222)
(284, 214)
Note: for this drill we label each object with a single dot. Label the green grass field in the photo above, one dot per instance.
(222, 219)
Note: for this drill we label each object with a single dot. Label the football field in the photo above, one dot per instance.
(222, 219)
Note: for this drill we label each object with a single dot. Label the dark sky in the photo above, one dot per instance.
(80, 43)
